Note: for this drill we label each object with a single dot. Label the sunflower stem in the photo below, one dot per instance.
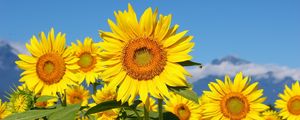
(146, 113)
(94, 87)
(160, 111)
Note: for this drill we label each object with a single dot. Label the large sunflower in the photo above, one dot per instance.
(235, 100)
(49, 68)
(142, 56)
(89, 60)
(4, 112)
(289, 104)
(183, 108)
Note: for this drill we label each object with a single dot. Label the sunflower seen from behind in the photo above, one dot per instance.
(142, 56)
(289, 102)
(51, 65)
(183, 108)
(106, 93)
(89, 61)
(270, 115)
(77, 95)
(4, 112)
(235, 100)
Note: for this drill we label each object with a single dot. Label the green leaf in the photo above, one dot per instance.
(170, 116)
(110, 105)
(30, 115)
(190, 63)
(67, 113)
(185, 92)
(45, 98)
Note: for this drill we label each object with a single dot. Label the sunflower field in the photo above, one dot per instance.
(136, 72)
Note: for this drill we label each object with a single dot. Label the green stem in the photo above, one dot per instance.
(94, 87)
(146, 113)
(160, 109)
(137, 114)
(65, 98)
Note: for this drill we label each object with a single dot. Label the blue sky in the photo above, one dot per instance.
(262, 31)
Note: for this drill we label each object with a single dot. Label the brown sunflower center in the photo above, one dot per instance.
(50, 68)
(143, 59)
(86, 62)
(294, 105)
(182, 112)
(76, 98)
(235, 106)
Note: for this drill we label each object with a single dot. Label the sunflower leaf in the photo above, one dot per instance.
(185, 92)
(190, 63)
(45, 98)
(110, 105)
(30, 115)
(67, 113)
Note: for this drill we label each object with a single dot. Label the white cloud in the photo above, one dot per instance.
(251, 69)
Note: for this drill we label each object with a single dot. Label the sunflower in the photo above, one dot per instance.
(152, 105)
(105, 94)
(142, 57)
(234, 100)
(183, 108)
(89, 60)
(4, 112)
(270, 115)
(77, 94)
(50, 67)
(20, 101)
(289, 104)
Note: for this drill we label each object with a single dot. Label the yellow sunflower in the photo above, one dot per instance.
(142, 56)
(89, 60)
(77, 94)
(105, 94)
(20, 101)
(50, 67)
(289, 104)
(4, 112)
(270, 115)
(183, 108)
(235, 100)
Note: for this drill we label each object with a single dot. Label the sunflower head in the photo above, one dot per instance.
(270, 115)
(106, 94)
(51, 65)
(76, 95)
(289, 104)
(89, 61)
(20, 101)
(235, 99)
(140, 55)
(183, 108)
(4, 112)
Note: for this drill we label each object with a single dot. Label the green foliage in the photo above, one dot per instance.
(45, 98)
(67, 113)
(111, 105)
(185, 92)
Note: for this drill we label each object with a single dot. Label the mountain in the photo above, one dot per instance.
(8, 70)
(271, 78)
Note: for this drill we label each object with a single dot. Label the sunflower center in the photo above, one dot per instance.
(234, 106)
(50, 68)
(86, 62)
(143, 59)
(294, 105)
(182, 111)
(143, 56)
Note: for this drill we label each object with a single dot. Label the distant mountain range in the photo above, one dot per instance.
(9, 72)
(271, 78)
